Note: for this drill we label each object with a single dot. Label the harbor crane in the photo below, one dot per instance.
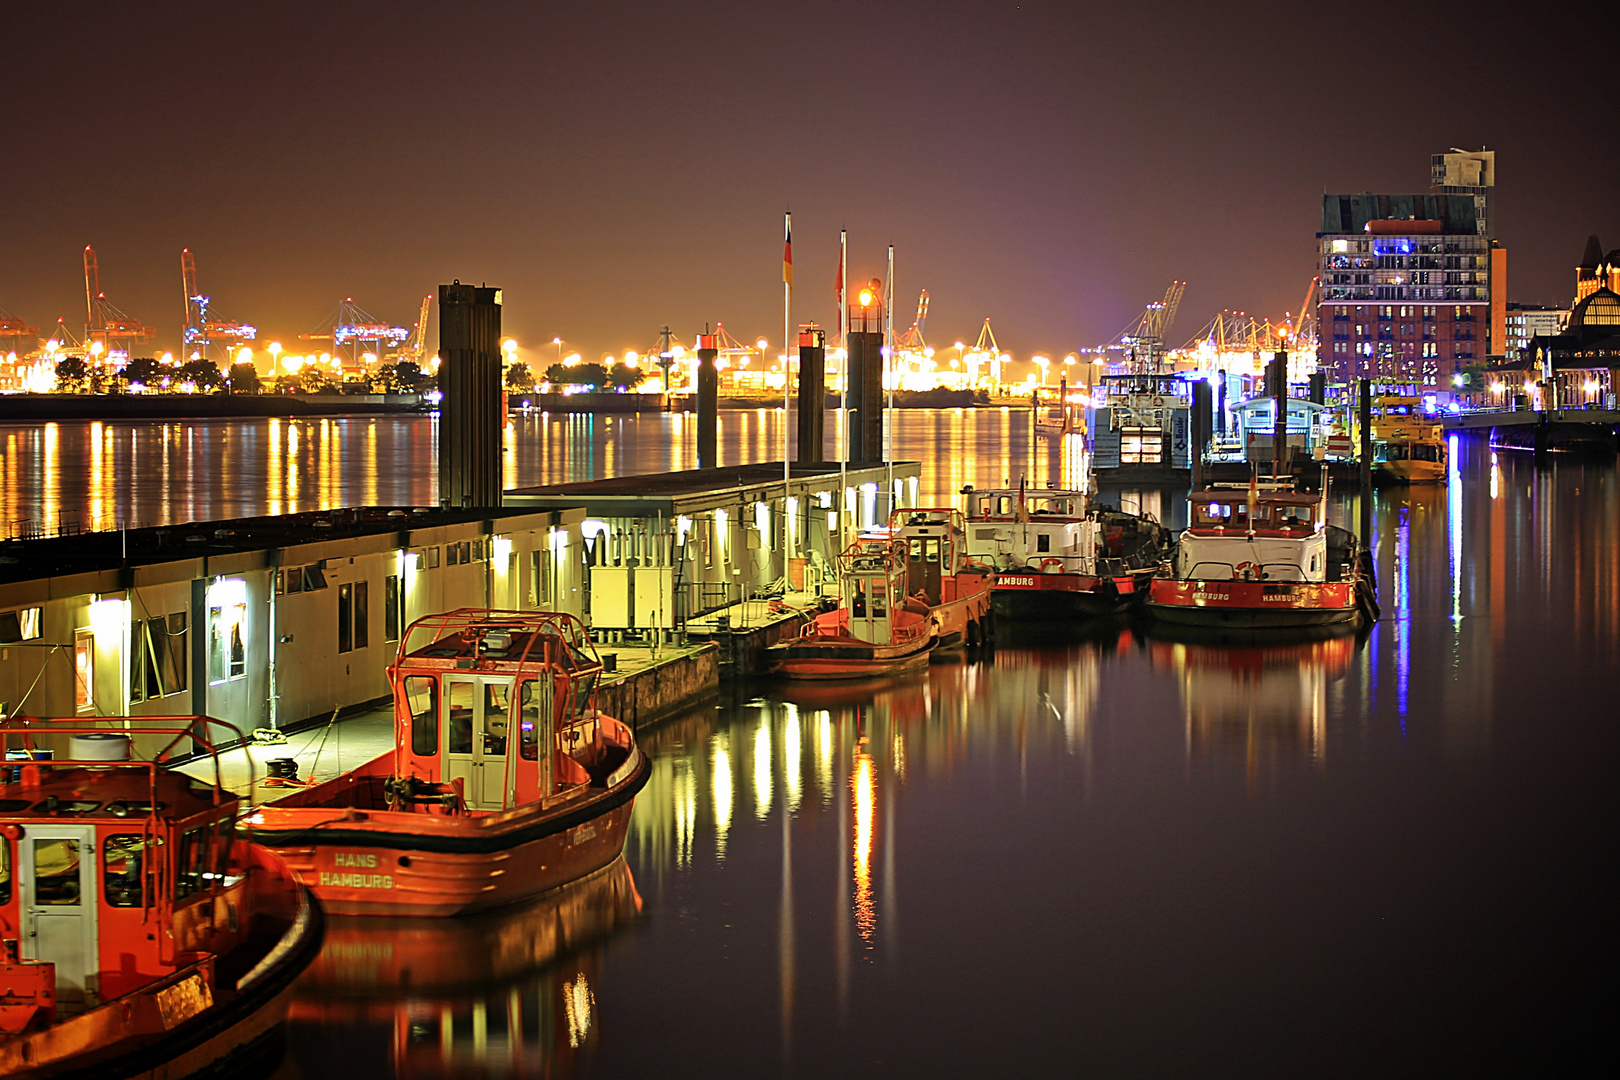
(912, 340)
(415, 348)
(107, 328)
(351, 327)
(201, 331)
(1143, 339)
(16, 336)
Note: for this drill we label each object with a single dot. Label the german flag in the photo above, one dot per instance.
(787, 251)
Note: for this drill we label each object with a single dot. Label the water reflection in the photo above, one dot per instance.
(505, 993)
(103, 475)
(1254, 699)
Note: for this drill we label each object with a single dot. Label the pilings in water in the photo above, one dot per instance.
(708, 401)
(812, 393)
(470, 421)
(1201, 423)
(865, 417)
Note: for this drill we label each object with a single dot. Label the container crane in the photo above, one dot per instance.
(106, 325)
(351, 327)
(200, 331)
(1143, 339)
(912, 339)
(16, 336)
(415, 348)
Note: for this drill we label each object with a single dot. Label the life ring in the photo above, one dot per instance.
(1158, 402)
(1052, 566)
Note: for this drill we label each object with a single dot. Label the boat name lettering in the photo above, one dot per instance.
(583, 833)
(1026, 582)
(1202, 595)
(357, 881)
(350, 858)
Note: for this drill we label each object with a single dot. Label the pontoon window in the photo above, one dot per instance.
(122, 858)
(461, 717)
(56, 873)
(421, 700)
(5, 871)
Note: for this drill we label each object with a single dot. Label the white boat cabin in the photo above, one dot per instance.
(873, 572)
(1045, 530)
(1240, 535)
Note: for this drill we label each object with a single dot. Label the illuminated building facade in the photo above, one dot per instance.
(1528, 321)
(1597, 270)
(1412, 285)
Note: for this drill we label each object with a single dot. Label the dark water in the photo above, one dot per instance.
(1101, 852)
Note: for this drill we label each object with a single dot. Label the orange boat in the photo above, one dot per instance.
(876, 631)
(957, 590)
(462, 814)
(141, 937)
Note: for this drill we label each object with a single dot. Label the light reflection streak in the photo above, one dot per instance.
(578, 1003)
(824, 762)
(1454, 508)
(792, 757)
(1403, 612)
(720, 787)
(685, 798)
(762, 767)
(863, 788)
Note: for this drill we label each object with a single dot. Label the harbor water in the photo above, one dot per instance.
(1102, 849)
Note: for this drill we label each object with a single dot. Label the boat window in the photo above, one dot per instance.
(56, 873)
(122, 858)
(188, 862)
(129, 808)
(421, 701)
(533, 711)
(223, 832)
(461, 717)
(1004, 505)
(857, 602)
(5, 871)
(584, 687)
(1043, 542)
(497, 714)
(52, 805)
(880, 600)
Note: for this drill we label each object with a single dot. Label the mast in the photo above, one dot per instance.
(787, 467)
(888, 377)
(843, 397)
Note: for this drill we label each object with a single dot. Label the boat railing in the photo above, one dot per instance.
(476, 626)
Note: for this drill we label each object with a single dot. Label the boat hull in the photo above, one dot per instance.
(1413, 472)
(1253, 604)
(176, 1028)
(1061, 596)
(812, 658)
(391, 862)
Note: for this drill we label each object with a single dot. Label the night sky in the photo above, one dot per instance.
(616, 167)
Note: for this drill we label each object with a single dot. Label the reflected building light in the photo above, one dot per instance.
(1496, 482)
(1454, 508)
(578, 1002)
(792, 780)
(720, 787)
(1403, 612)
(762, 767)
(824, 756)
(863, 786)
(684, 796)
(897, 756)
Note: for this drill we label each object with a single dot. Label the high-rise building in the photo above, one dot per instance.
(1409, 282)
(1527, 321)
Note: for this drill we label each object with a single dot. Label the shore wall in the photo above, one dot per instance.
(742, 649)
(40, 408)
(662, 689)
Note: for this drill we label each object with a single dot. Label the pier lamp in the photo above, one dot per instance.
(275, 354)
(1043, 363)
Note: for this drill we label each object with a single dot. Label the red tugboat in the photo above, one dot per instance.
(1269, 560)
(876, 631)
(504, 781)
(142, 937)
(1056, 556)
(955, 589)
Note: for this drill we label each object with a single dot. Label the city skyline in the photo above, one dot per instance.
(623, 169)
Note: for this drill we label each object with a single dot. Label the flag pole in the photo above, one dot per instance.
(843, 398)
(888, 373)
(787, 384)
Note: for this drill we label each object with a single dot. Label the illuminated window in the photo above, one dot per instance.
(227, 612)
(84, 670)
(20, 625)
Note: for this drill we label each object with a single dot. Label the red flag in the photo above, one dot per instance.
(787, 254)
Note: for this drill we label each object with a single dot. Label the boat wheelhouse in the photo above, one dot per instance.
(1141, 428)
(875, 631)
(939, 573)
(504, 781)
(1058, 557)
(1409, 447)
(1265, 558)
(142, 935)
